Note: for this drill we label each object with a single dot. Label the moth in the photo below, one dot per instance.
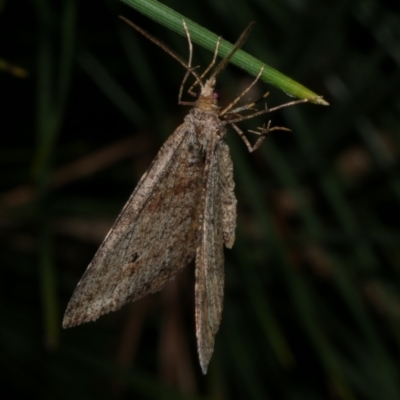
(183, 209)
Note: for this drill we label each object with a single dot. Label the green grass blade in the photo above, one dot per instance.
(203, 37)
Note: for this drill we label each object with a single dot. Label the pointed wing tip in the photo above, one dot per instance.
(75, 318)
(204, 359)
(66, 325)
(69, 321)
(204, 365)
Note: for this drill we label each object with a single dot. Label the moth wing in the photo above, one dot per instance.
(216, 227)
(228, 198)
(153, 237)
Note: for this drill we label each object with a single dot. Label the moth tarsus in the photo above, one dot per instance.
(182, 209)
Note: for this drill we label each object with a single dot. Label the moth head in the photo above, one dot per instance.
(208, 99)
(208, 89)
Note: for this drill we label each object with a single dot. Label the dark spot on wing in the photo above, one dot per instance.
(134, 257)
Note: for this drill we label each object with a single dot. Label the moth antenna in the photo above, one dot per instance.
(239, 43)
(164, 47)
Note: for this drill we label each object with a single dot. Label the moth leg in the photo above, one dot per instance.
(263, 131)
(190, 91)
(244, 138)
(268, 110)
(249, 106)
(229, 106)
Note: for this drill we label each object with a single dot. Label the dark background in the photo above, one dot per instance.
(312, 300)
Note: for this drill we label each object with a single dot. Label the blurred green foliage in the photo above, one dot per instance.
(312, 299)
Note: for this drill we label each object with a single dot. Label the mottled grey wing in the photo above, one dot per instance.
(153, 237)
(217, 226)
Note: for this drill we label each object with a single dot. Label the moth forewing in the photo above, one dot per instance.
(143, 249)
(228, 199)
(209, 290)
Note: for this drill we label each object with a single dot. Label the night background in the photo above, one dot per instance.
(312, 295)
